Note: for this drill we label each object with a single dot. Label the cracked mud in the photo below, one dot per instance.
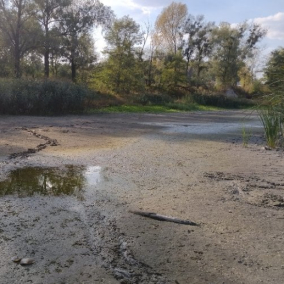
(68, 207)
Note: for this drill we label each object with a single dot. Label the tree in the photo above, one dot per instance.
(197, 44)
(173, 72)
(84, 54)
(48, 13)
(274, 71)
(168, 25)
(121, 67)
(5, 57)
(77, 20)
(232, 47)
(20, 29)
(32, 65)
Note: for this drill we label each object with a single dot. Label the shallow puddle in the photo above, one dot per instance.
(208, 128)
(67, 180)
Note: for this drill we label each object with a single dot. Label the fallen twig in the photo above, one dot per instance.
(164, 218)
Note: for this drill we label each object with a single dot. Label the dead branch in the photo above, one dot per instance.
(164, 218)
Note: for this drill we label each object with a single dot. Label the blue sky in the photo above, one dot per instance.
(268, 13)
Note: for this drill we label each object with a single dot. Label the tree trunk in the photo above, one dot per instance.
(73, 58)
(46, 63)
(73, 69)
(46, 53)
(17, 59)
(17, 51)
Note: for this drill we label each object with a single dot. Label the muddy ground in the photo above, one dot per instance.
(192, 166)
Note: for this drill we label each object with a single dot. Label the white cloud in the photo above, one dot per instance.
(145, 6)
(274, 25)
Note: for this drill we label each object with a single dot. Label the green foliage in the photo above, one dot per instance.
(122, 72)
(272, 123)
(137, 109)
(19, 29)
(198, 45)
(246, 79)
(42, 38)
(153, 99)
(221, 101)
(246, 136)
(173, 73)
(275, 74)
(41, 97)
(168, 108)
(232, 46)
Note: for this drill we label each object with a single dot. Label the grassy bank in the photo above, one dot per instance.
(171, 108)
(49, 97)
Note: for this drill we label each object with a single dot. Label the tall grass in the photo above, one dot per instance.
(41, 97)
(272, 123)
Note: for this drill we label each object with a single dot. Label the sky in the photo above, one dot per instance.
(268, 13)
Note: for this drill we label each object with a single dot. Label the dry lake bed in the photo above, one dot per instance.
(68, 186)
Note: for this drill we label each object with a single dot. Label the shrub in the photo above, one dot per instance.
(45, 97)
(153, 99)
(221, 101)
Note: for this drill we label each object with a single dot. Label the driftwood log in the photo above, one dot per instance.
(164, 218)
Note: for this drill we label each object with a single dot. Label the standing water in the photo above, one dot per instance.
(67, 180)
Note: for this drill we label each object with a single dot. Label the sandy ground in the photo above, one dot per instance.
(189, 165)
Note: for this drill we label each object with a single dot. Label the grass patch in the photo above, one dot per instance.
(168, 108)
(133, 109)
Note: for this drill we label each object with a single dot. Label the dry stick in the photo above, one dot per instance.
(163, 218)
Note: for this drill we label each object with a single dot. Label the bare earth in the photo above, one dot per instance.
(191, 166)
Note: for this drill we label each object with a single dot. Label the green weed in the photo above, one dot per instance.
(246, 136)
(271, 121)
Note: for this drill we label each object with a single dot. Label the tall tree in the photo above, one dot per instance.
(197, 44)
(48, 12)
(77, 20)
(168, 25)
(274, 71)
(5, 56)
(121, 70)
(233, 45)
(84, 53)
(173, 71)
(21, 30)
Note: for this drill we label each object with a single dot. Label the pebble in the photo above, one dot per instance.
(26, 261)
(16, 259)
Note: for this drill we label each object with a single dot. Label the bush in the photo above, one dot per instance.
(153, 99)
(46, 97)
(221, 101)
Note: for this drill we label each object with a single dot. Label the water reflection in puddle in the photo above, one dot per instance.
(67, 180)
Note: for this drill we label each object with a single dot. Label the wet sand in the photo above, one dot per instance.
(188, 165)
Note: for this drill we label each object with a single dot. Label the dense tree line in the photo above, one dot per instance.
(53, 38)
(182, 51)
(57, 31)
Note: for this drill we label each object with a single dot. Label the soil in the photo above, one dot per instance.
(190, 166)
